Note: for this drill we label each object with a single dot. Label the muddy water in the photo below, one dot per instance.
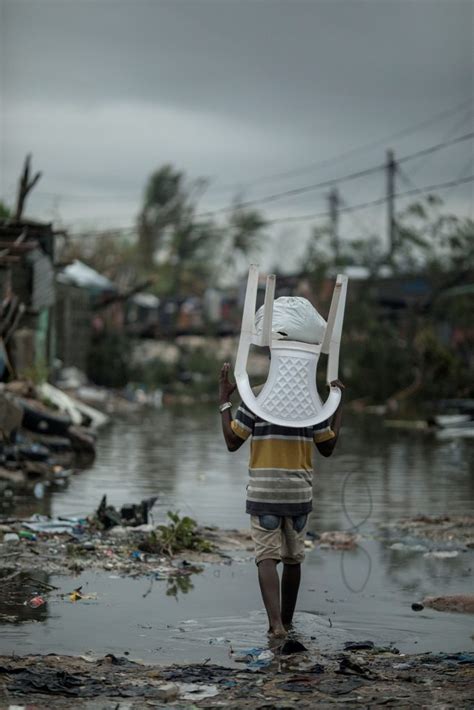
(377, 475)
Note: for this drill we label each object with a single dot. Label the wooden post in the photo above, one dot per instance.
(25, 185)
(390, 169)
(333, 199)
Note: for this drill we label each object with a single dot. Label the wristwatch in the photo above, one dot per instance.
(223, 407)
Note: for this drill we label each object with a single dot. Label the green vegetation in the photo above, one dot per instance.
(5, 211)
(420, 352)
(179, 535)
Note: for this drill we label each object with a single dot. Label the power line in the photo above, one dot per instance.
(435, 148)
(352, 151)
(290, 173)
(296, 191)
(372, 203)
(407, 179)
(467, 117)
(333, 181)
(317, 215)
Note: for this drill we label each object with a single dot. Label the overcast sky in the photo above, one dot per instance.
(103, 92)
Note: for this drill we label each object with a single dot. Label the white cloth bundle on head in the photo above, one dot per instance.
(295, 319)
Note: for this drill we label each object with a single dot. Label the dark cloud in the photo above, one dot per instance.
(103, 91)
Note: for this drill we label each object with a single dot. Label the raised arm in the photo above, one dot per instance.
(327, 447)
(226, 389)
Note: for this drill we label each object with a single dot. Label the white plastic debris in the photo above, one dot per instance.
(442, 554)
(295, 319)
(403, 547)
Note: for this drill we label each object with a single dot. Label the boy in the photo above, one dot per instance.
(279, 495)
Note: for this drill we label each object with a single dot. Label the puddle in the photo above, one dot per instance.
(378, 475)
(219, 609)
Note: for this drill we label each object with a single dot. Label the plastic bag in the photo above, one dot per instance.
(294, 318)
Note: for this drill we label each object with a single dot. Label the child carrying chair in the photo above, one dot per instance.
(284, 421)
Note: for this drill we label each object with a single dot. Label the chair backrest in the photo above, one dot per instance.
(289, 397)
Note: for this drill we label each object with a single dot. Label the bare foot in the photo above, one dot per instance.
(278, 632)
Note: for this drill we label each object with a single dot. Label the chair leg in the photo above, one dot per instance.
(335, 337)
(250, 303)
(248, 321)
(331, 317)
(268, 310)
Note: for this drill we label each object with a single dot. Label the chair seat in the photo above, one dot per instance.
(289, 397)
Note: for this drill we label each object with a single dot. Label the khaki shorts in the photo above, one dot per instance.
(279, 538)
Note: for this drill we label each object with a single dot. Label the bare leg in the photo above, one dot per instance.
(290, 584)
(270, 588)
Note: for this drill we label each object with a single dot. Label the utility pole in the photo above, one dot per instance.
(391, 169)
(334, 202)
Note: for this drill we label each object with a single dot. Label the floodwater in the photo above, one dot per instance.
(376, 476)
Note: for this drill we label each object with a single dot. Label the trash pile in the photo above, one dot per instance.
(46, 434)
(364, 677)
(437, 537)
(104, 400)
(125, 541)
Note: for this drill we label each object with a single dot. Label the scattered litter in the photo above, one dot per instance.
(292, 646)
(166, 693)
(340, 687)
(423, 680)
(130, 514)
(27, 535)
(300, 684)
(462, 603)
(55, 526)
(349, 667)
(11, 537)
(316, 668)
(404, 547)
(339, 540)
(196, 691)
(463, 658)
(442, 554)
(358, 645)
(255, 658)
(35, 602)
(77, 595)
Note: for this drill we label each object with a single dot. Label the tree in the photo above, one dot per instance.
(245, 233)
(163, 204)
(5, 212)
(184, 250)
(422, 349)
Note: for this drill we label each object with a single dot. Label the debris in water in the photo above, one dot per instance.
(462, 603)
(35, 602)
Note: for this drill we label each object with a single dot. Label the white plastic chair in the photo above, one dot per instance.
(289, 397)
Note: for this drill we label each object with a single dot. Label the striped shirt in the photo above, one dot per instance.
(281, 465)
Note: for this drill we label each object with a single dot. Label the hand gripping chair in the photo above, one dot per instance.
(289, 397)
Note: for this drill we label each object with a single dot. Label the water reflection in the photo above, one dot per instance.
(376, 476)
(180, 456)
